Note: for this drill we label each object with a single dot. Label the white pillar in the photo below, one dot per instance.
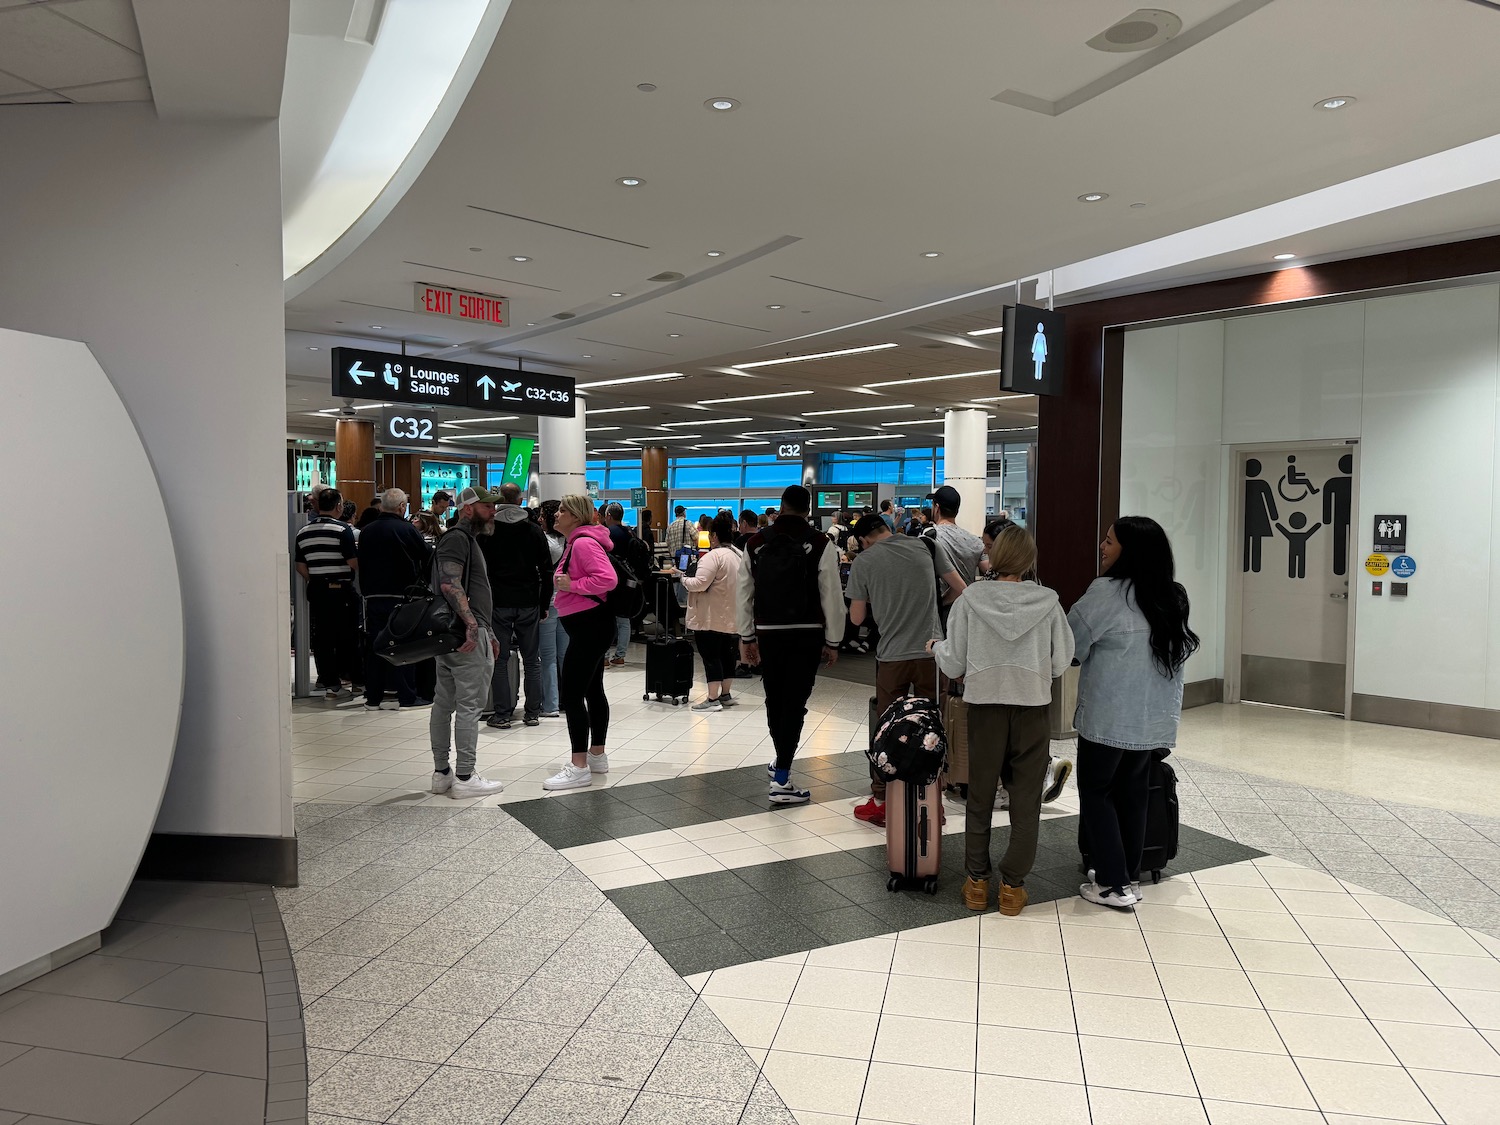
(563, 447)
(965, 442)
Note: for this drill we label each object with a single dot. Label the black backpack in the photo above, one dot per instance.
(628, 598)
(638, 555)
(785, 569)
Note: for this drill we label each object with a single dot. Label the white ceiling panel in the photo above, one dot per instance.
(130, 90)
(114, 19)
(9, 84)
(44, 48)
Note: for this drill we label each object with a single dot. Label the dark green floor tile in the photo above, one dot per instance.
(672, 923)
(701, 954)
(733, 913)
(771, 940)
(647, 896)
(713, 886)
(849, 923)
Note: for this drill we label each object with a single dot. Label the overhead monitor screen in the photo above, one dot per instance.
(1031, 352)
(861, 499)
(830, 499)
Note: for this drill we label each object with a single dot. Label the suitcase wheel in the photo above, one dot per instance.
(646, 698)
(893, 883)
(930, 886)
(1156, 876)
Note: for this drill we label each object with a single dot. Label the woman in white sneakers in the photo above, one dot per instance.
(711, 612)
(1009, 639)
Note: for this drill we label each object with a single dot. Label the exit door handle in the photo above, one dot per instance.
(1339, 597)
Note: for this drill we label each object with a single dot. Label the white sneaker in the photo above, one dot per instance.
(599, 763)
(707, 705)
(1058, 772)
(477, 786)
(1107, 896)
(442, 782)
(1002, 798)
(551, 714)
(570, 777)
(390, 705)
(1135, 888)
(331, 694)
(727, 700)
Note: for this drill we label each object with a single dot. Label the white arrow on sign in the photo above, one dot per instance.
(359, 374)
(486, 384)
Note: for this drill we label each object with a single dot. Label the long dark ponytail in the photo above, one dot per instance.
(1146, 563)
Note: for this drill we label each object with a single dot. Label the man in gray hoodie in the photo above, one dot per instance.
(520, 570)
(1009, 639)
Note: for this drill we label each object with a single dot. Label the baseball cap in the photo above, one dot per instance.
(869, 525)
(476, 496)
(946, 497)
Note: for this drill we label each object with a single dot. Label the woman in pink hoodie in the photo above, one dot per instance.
(584, 576)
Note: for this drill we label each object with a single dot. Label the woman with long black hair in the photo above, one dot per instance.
(1131, 638)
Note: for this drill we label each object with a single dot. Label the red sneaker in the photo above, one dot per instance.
(872, 812)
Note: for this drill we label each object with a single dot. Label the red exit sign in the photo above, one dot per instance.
(460, 304)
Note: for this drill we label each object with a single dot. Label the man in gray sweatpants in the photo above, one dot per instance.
(463, 676)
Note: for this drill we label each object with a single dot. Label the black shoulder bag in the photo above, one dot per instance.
(424, 625)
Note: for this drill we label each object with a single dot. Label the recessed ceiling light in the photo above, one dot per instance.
(1093, 197)
(588, 357)
(716, 253)
(1282, 257)
(932, 378)
(787, 429)
(633, 379)
(720, 445)
(674, 335)
(985, 331)
(932, 253)
(1335, 103)
(519, 258)
(378, 326)
(617, 294)
(722, 105)
(867, 437)
(703, 422)
(616, 409)
(773, 306)
(475, 249)
(751, 398)
(531, 324)
(814, 355)
(859, 409)
(311, 348)
(646, 87)
(599, 429)
(630, 181)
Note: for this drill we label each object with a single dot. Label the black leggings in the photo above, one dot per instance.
(1113, 787)
(720, 653)
(591, 634)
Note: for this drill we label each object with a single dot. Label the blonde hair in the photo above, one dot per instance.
(1013, 553)
(581, 508)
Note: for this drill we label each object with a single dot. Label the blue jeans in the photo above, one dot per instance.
(554, 646)
(622, 636)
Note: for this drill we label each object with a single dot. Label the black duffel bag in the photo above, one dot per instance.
(421, 627)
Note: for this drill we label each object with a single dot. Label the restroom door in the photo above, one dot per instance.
(1294, 551)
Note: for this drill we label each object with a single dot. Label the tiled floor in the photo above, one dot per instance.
(456, 966)
(167, 1024)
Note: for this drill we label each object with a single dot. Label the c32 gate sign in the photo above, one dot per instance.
(789, 450)
(391, 377)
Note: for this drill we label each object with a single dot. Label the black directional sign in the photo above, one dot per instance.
(390, 377)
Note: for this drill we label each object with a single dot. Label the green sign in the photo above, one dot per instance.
(518, 462)
(637, 497)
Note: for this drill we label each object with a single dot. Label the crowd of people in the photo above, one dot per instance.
(771, 594)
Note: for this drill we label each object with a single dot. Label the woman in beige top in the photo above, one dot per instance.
(711, 612)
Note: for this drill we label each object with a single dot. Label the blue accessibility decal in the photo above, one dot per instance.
(1403, 566)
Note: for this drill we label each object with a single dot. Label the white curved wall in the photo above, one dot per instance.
(92, 655)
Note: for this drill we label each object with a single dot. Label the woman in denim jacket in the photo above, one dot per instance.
(1131, 638)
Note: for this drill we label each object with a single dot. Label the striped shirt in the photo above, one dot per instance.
(325, 545)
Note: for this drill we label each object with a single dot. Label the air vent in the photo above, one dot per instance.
(1143, 29)
(668, 275)
(563, 316)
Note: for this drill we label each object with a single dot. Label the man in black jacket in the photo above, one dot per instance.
(520, 568)
(392, 556)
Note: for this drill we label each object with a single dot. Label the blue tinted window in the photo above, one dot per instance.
(624, 474)
(774, 474)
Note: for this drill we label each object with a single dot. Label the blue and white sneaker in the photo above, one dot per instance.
(788, 794)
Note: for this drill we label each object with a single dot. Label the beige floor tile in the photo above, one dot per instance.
(1211, 951)
(1138, 1107)
(827, 1031)
(1257, 956)
(939, 1044)
(1021, 937)
(1447, 970)
(1111, 943)
(1482, 1009)
(1462, 1099)
(950, 962)
(1237, 1113)
(1262, 899)
(1197, 985)
(1129, 1064)
(1384, 909)
(817, 1083)
(632, 876)
(1341, 1038)
(1226, 1027)
(1364, 933)
(1154, 918)
(1026, 1101)
(841, 988)
(1124, 1017)
(752, 1022)
(1034, 970)
(1360, 1088)
(1434, 1047)
(1390, 965)
(1405, 1003)
(1259, 925)
(872, 955)
(913, 1095)
(1419, 938)
(759, 980)
(1319, 996)
(959, 931)
(1019, 1053)
(1040, 1009)
(1108, 975)
(931, 998)
(1299, 879)
(1244, 874)
(1242, 1076)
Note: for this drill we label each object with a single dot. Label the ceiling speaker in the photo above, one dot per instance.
(669, 275)
(563, 316)
(1143, 29)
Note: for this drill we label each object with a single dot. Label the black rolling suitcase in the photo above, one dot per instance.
(669, 660)
(1162, 822)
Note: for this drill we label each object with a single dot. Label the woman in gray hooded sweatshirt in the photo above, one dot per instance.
(1009, 639)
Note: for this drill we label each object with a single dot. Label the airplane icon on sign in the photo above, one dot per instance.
(510, 388)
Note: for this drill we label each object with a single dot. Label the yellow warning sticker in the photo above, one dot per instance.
(1377, 564)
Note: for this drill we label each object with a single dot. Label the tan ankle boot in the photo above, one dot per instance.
(1012, 899)
(977, 893)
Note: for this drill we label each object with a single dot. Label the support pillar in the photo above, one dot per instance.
(811, 466)
(354, 457)
(654, 481)
(965, 457)
(561, 458)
